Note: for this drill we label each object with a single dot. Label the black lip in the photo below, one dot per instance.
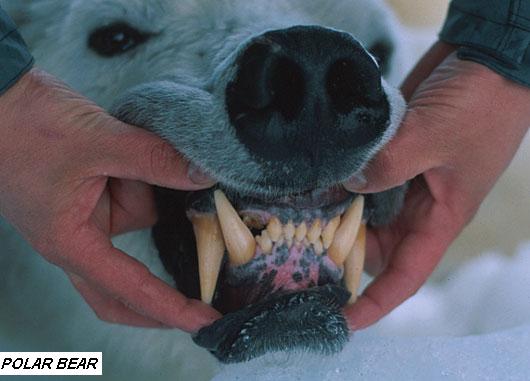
(297, 207)
(308, 320)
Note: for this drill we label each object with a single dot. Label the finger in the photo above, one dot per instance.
(414, 260)
(132, 206)
(128, 152)
(375, 259)
(410, 153)
(396, 163)
(109, 309)
(430, 60)
(130, 282)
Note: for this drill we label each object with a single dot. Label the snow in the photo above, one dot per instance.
(473, 326)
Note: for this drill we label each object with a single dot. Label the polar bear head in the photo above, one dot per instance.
(280, 101)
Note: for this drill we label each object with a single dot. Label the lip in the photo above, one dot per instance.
(306, 206)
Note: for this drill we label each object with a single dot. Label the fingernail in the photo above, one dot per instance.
(356, 183)
(197, 176)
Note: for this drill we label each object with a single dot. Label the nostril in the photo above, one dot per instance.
(288, 88)
(266, 82)
(349, 85)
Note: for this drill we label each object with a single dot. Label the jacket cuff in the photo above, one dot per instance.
(503, 47)
(15, 59)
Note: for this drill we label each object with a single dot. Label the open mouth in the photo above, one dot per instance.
(257, 256)
(296, 243)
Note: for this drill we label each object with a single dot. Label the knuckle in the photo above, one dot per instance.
(51, 243)
(144, 279)
(163, 159)
(104, 314)
(385, 162)
(384, 169)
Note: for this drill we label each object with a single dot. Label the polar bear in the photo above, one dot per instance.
(199, 56)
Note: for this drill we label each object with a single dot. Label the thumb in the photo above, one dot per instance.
(129, 152)
(408, 155)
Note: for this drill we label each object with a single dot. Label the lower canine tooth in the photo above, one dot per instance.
(347, 232)
(239, 241)
(353, 267)
(210, 252)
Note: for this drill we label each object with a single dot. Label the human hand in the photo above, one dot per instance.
(72, 177)
(463, 126)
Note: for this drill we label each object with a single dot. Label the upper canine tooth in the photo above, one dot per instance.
(346, 232)
(275, 229)
(301, 231)
(329, 232)
(210, 252)
(239, 241)
(265, 242)
(353, 267)
(314, 232)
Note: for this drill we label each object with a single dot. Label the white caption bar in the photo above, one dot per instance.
(51, 364)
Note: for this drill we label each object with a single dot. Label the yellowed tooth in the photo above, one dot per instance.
(329, 232)
(252, 222)
(301, 231)
(318, 247)
(314, 232)
(346, 232)
(210, 252)
(275, 229)
(239, 241)
(353, 267)
(288, 231)
(265, 242)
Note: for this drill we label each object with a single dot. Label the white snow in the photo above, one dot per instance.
(474, 326)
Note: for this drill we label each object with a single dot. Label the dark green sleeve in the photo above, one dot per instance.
(495, 33)
(15, 59)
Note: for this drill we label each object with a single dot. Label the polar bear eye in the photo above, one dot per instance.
(115, 39)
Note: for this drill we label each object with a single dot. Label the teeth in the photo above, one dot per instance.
(301, 232)
(318, 247)
(353, 267)
(347, 232)
(329, 232)
(264, 242)
(314, 232)
(239, 241)
(210, 252)
(288, 231)
(275, 229)
(252, 222)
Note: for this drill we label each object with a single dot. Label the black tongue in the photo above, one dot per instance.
(310, 320)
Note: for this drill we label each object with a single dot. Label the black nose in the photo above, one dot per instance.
(296, 87)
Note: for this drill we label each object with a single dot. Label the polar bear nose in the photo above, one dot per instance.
(293, 84)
